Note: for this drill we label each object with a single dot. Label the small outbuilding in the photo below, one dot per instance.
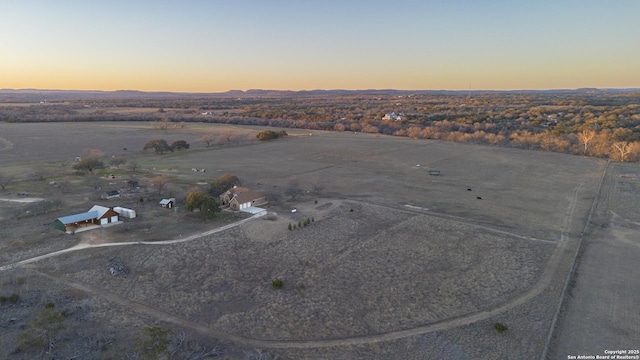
(168, 203)
(125, 212)
(110, 194)
(133, 184)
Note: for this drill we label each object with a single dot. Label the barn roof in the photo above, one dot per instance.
(167, 201)
(78, 217)
(101, 210)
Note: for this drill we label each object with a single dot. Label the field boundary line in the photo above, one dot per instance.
(574, 265)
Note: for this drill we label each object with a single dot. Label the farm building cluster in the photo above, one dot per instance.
(236, 198)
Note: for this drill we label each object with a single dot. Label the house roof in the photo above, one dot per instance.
(235, 190)
(247, 196)
(101, 210)
(79, 217)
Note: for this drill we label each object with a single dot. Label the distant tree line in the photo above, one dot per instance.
(549, 121)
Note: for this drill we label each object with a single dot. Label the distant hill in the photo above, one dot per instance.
(40, 95)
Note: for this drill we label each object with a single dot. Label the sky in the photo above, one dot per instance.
(216, 46)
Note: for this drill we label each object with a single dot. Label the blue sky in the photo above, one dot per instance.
(209, 46)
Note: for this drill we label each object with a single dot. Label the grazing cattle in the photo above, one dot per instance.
(479, 198)
(468, 189)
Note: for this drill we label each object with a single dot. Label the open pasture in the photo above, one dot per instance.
(393, 248)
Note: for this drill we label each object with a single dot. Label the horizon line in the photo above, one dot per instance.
(327, 90)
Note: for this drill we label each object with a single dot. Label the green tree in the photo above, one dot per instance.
(89, 164)
(270, 135)
(43, 329)
(160, 146)
(179, 145)
(153, 342)
(223, 183)
(206, 204)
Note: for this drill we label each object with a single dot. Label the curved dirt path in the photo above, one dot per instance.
(83, 246)
(542, 283)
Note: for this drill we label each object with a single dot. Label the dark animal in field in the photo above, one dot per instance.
(468, 189)
(479, 198)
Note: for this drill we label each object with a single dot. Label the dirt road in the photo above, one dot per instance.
(601, 309)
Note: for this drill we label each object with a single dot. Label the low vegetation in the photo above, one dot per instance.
(500, 327)
(277, 283)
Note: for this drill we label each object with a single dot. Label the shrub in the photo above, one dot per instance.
(500, 327)
(270, 135)
(289, 226)
(12, 299)
(277, 283)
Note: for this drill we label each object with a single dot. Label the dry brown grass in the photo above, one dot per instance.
(381, 267)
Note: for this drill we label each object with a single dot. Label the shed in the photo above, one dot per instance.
(110, 194)
(133, 184)
(168, 203)
(125, 212)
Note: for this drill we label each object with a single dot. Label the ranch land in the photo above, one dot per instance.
(412, 249)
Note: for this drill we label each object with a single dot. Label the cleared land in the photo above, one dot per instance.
(601, 310)
(397, 262)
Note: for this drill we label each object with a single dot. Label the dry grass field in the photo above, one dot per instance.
(397, 263)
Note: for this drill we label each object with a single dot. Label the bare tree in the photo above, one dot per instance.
(158, 182)
(259, 355)
(293, 189)
(621, 149)
(229, 136)
(64, 185)
(117, 160)
(316, 185)
(5, 180)
(186, 349)
(94, 180)
(207, 139)
(585, 136)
